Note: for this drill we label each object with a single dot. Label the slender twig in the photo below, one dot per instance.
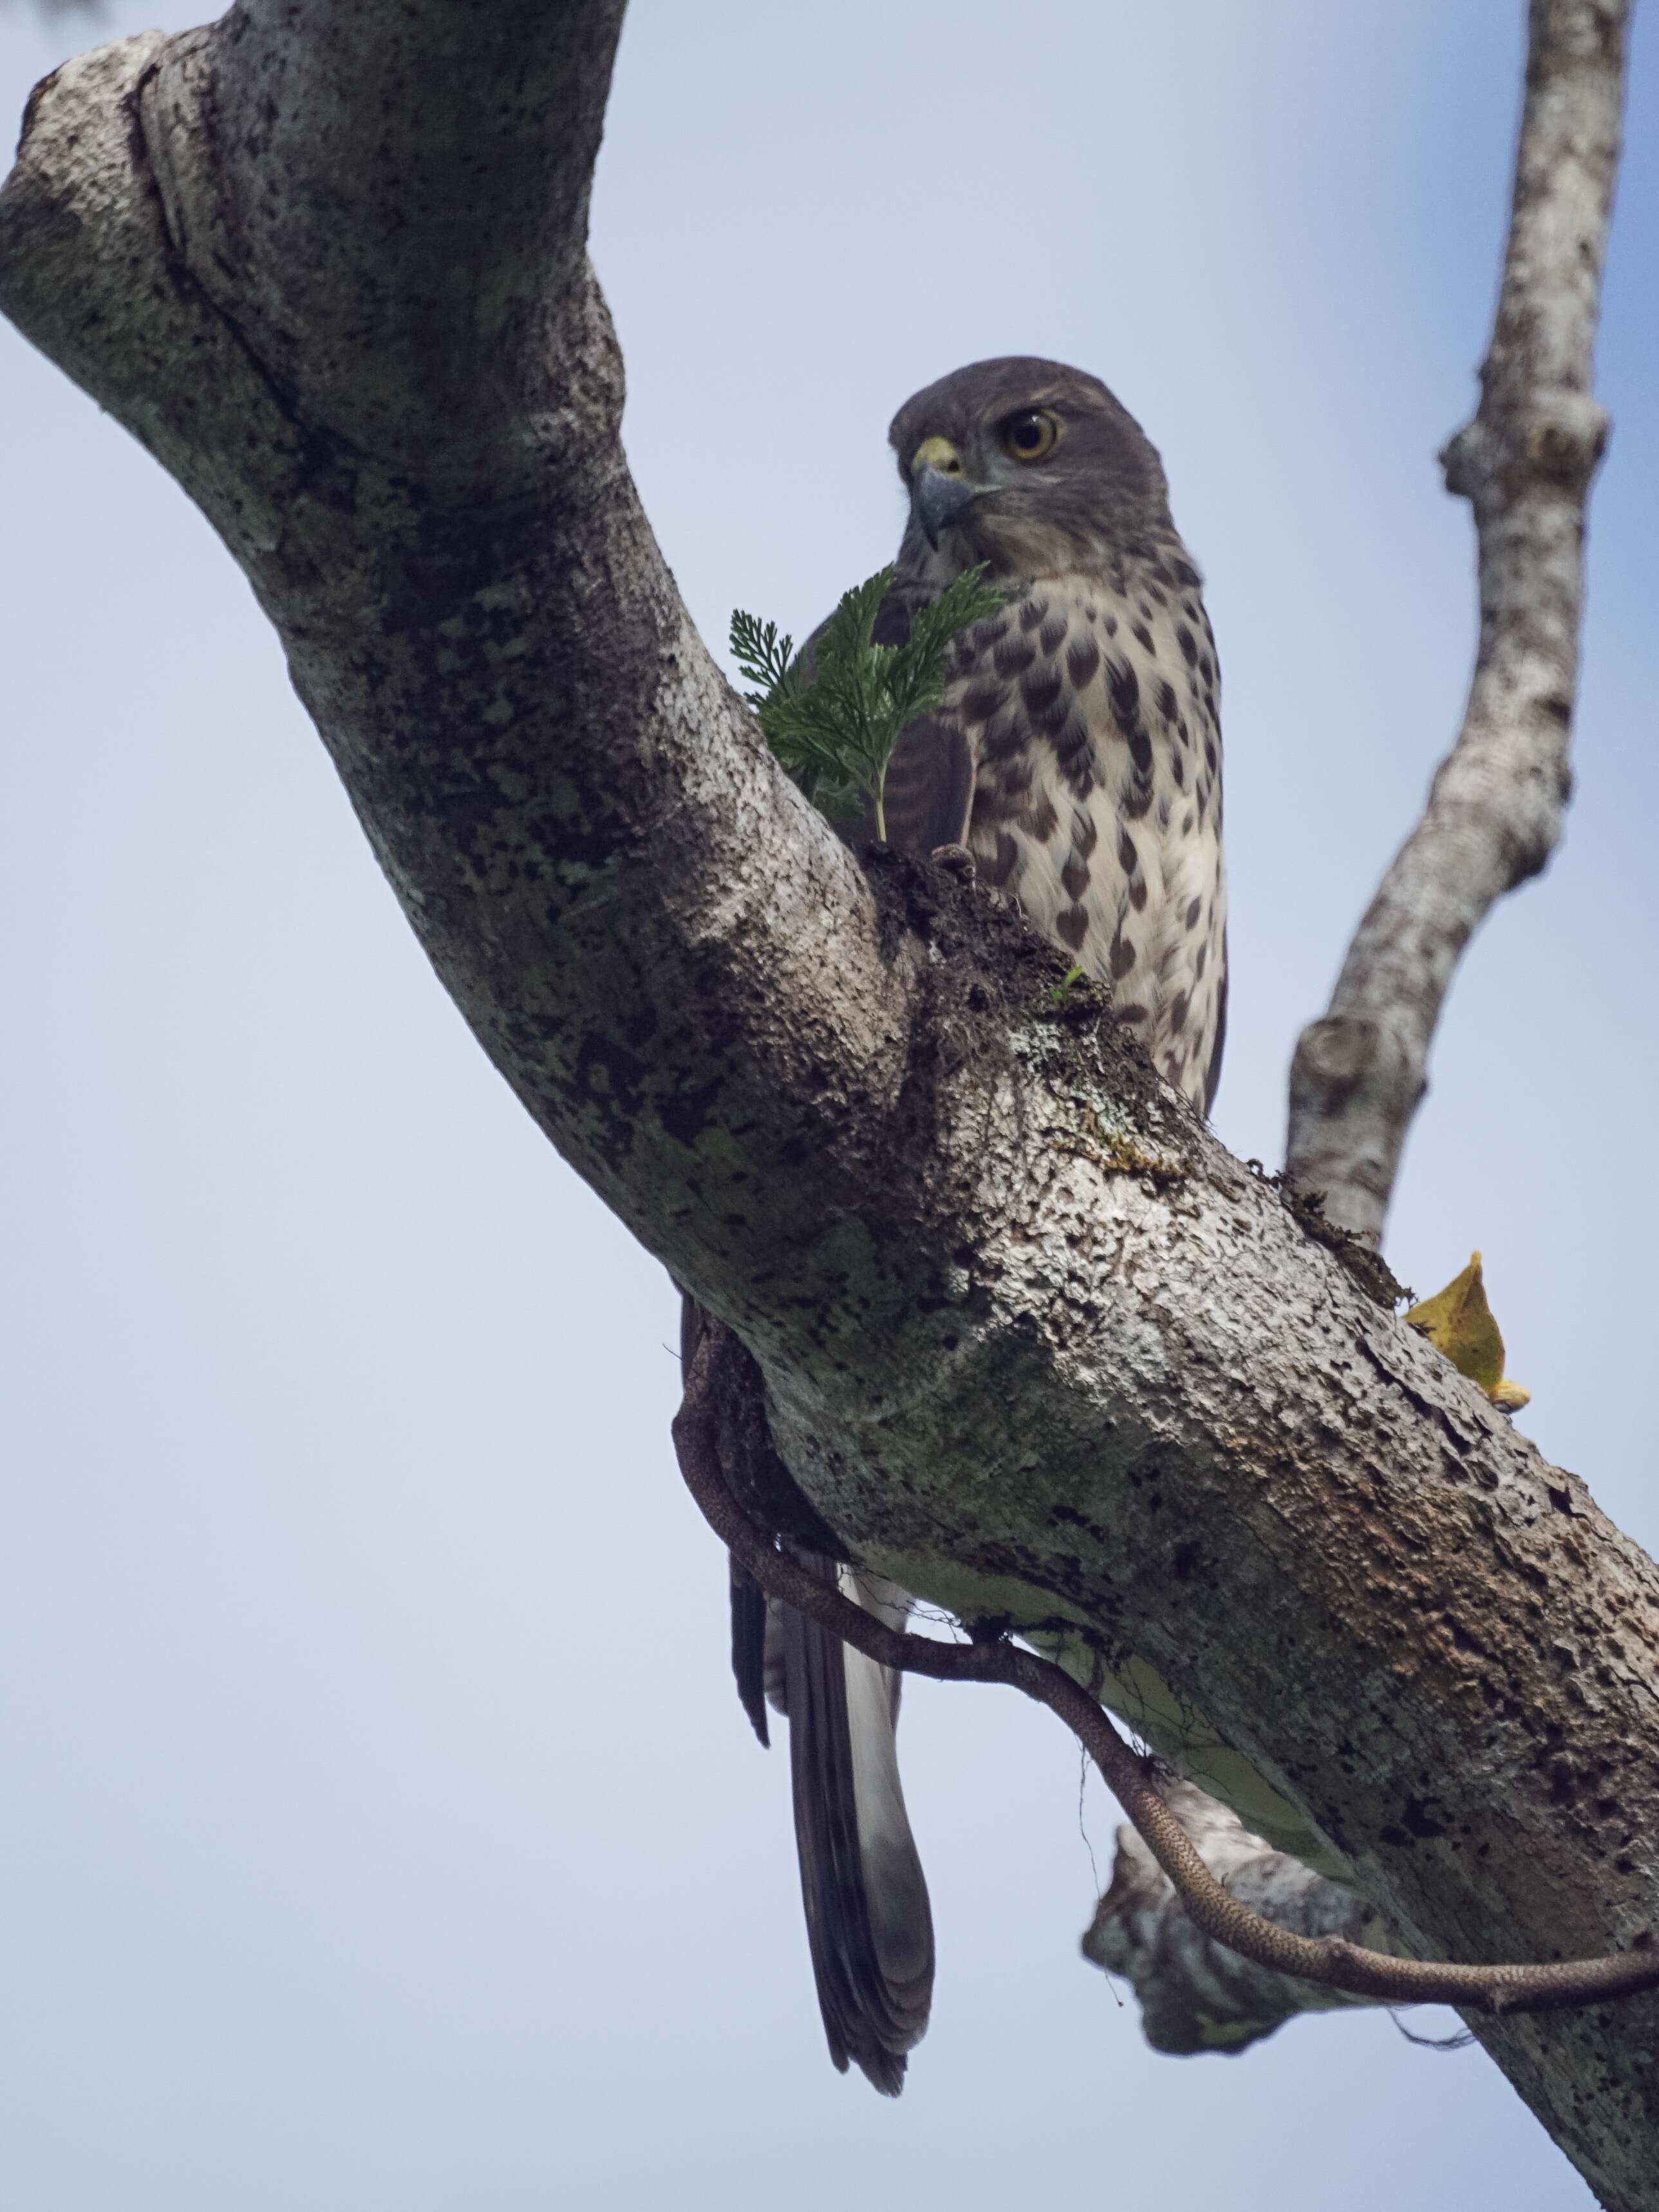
(1132, 1779)
(1524, 463)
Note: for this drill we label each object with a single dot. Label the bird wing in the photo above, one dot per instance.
(929, 794)
(748, 1624)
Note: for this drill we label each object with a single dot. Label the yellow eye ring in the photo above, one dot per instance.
(1031, 435)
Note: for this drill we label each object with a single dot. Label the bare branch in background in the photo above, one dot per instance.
(1525, 464)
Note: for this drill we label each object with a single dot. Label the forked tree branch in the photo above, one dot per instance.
(1525, 464)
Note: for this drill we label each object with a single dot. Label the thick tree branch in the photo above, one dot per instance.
(1034, 1344)
(1524, 463)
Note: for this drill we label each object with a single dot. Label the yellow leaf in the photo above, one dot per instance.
(1458, 1322)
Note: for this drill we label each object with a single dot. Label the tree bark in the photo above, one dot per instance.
(1034, 1343)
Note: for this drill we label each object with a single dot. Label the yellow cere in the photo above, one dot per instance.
(936, 453)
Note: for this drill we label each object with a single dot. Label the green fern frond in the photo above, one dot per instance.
(836, 731)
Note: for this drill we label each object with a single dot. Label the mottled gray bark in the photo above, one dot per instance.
(1034, 1342)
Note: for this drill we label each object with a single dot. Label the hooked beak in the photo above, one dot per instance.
(937, 501)
(939, 488)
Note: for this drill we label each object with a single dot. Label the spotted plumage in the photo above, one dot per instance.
(1078, 754)
(1096, 807)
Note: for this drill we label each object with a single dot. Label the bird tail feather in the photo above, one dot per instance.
(868, 1920)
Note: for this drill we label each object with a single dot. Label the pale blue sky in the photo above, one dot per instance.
(382, 1835)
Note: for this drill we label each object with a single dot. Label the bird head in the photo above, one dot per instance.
(1028, 465)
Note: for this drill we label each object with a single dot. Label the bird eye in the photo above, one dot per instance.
(1032, 436)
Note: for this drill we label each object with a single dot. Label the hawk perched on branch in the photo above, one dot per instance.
(1077, 757)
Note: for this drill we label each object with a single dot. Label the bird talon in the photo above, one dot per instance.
(956, 861)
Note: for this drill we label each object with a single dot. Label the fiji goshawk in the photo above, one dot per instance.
(1078, 756)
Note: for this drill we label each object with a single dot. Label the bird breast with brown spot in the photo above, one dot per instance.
(1093, 716)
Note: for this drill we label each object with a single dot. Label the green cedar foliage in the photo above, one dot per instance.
(834, 730)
